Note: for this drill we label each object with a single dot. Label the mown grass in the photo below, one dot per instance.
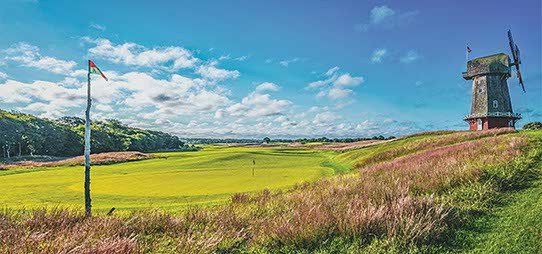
(172, 182)
(422, 197)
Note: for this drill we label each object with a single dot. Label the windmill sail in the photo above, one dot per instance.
(516, 57)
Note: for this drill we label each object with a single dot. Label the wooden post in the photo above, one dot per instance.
(88, 205)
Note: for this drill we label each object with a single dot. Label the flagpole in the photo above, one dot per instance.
(88, 205)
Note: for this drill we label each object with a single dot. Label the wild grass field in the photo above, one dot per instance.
(439, 192)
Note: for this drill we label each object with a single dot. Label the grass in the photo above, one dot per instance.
(171, 183)
(429, 194)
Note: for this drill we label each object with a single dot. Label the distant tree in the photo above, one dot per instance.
(533, 126)
(266, 140)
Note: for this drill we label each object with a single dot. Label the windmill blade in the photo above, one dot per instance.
(513, 47)
(518, 73)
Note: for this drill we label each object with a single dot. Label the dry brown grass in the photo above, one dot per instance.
(338, 146)
(391, 199)
(96, 159)
(432, 143)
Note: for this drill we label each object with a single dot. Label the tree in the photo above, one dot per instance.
(533, 126)
(266, 140)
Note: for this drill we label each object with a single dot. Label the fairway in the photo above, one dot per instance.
(171, 183)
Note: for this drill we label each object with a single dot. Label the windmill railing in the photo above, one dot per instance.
(493, 114)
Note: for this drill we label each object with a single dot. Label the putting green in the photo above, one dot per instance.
(182, 178)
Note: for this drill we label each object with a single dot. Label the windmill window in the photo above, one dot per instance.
(495, 104)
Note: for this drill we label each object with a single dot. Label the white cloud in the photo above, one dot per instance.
(409, 57)
(104, 107)
(211, 72)
(241, 58)
(29, 56)
(386, 17)
(334, 86)
(378, 55)
(267, 86)
(326, 117)
(3, 75)
(169, 58)
(348, 80)
(338, 93)
(380, 13)
(332, 71)
(287, 62)
(97, 26)
(321, 94)
(257, 104)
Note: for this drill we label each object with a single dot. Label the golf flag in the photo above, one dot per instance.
(93, 69)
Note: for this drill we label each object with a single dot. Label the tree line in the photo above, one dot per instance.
(23, 134)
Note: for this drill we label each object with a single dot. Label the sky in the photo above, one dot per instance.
(250, 69)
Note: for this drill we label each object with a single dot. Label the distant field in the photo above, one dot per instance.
(183, 178)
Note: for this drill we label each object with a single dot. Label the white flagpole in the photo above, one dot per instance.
(88, 205)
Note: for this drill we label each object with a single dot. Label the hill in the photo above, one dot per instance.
(428, 193)
(23, 134)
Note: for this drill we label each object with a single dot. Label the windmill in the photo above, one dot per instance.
(491, 105)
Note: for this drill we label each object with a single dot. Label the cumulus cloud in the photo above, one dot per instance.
(386, 17)
(258, 104)
(211, 72)
(325, 117)
(409, 57)
(30, 56)
(3, 75)
(339, 93)
(170, 58)
(378, 55)
(334, 86)
(267, 86)
(347, 80)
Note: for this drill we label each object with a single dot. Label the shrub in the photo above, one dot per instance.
(533, 126)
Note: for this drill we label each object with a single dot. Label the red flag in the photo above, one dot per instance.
(93, 69)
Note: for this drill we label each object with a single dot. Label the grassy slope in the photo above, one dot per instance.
(208, 176)
(513, 227)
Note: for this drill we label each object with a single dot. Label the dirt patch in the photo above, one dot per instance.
(96, 159)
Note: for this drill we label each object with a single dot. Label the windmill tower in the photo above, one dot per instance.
(491, 105)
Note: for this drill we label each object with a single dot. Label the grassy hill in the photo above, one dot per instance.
(23, 134)
(429, 193)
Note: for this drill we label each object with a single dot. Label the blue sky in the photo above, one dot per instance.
(260, 68)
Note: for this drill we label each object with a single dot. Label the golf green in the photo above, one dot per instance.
(177, 180)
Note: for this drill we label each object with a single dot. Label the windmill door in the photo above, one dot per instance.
(479, 124)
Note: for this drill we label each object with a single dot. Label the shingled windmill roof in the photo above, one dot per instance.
(493, 64)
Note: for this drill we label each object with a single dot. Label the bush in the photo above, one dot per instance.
(533, 126)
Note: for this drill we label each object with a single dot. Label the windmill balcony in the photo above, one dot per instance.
(494, 114)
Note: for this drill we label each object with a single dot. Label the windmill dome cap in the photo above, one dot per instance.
(493, 64)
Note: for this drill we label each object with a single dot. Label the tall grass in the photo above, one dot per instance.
(389, 199)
